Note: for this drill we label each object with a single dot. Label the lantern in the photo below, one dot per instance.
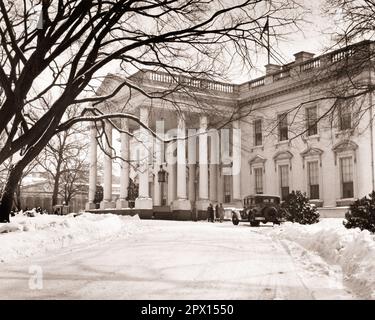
(162, 174)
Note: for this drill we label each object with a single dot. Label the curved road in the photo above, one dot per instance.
(178, 260)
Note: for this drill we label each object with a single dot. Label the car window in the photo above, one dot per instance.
(249, 201)
(265, 200)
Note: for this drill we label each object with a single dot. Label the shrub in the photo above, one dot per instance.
(362, 214)
(98, 194)
(297, 208)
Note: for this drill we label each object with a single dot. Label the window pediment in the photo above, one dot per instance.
(312, 152)
(345, 146)
(257, 159)
(282, 155)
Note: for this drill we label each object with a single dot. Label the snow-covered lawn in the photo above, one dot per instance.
(28, 236)
(352, 250)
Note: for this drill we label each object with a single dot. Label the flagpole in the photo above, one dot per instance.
(268, 41)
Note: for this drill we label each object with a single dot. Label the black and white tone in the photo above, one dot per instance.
(187, 149)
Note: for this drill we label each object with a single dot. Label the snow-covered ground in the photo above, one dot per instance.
(352, 250)
(108, 256)
(29, 236)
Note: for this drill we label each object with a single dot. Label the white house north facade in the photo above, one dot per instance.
(289, 130)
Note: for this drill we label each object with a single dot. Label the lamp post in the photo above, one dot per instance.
(162, 178)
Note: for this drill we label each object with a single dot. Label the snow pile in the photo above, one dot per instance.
(26, 236)
(351, 249)
(10, 227)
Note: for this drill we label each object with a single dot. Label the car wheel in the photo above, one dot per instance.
(249, 217)
(254, 223)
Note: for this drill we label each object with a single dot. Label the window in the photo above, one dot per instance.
(258, 173)
(345, 117)
(284, 181)
(313, 179)
(258, 132)
(346, 173)
(227, 181)
(283, 126)
(311, 120)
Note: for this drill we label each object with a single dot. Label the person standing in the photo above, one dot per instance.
(210, 213)
(221, 212)
(217, 211)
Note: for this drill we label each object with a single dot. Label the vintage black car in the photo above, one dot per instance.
(259, 208)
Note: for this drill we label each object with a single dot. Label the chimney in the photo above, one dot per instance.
(303, 56)
(272, 68)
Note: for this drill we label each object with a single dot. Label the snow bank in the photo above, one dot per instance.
(352, 249)
(26, 236)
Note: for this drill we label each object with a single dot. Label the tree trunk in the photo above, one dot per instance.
(8, 194)
(55, 192)
(56, 182)
(17, 199)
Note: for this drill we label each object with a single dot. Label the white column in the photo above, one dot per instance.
(236, 161)
(220, 175)
(214, 160)
(124, 175)
(203, 202)
(182, 203)
(107, 189)
(93, 175)
(158, 160)
(192, 160)
(181, 159)
(144, 201)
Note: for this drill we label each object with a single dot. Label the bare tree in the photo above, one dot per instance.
(61, 49)
(75, 180)
(18, 192)
(64, 159)
(4, 172)
(354, 18)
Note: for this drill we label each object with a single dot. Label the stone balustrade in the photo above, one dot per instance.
(199, 84)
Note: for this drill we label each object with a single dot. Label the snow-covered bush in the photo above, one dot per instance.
(297, 208)
(362, 214)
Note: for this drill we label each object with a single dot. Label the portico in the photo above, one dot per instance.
(190, 155)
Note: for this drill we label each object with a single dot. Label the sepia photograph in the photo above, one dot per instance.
(204, 152)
